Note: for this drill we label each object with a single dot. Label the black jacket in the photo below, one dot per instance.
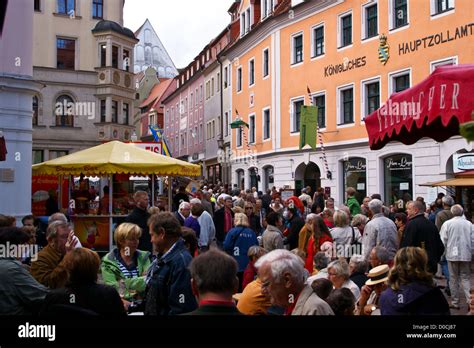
(140, 217)
(296, 224)
(178, 197)
(89, 299)
(421, 232)
(180, 218)
(254, 224)
(359, 279)
(168, 290)
(266, 201)
(219, 223)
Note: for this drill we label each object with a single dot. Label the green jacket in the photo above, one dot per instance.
(353, 205)
(111, 273)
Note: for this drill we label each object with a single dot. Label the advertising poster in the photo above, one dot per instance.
(93, 232)
(44, 188)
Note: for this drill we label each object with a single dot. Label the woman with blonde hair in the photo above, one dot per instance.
(411, 287)
(238, 241)
(125, 266)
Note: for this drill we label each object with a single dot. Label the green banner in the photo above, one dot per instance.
(309, 124)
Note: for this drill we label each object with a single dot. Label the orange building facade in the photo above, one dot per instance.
(352, 55)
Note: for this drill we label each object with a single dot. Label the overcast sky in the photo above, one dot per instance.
(183, 26)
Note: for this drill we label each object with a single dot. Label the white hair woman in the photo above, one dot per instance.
(358, 269)
(339, 274)
(238, 241)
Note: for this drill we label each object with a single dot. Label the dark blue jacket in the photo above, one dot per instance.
(237, 243)
(168, 290)
(193, 223)
(414, 299)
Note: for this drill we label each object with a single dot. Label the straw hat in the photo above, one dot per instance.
(378, 275)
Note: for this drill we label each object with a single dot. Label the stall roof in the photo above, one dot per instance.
(434, 108)
(116, 157)
(452, 182)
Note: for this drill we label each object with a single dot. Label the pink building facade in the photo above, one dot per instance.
(184, 114)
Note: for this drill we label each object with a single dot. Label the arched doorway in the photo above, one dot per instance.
(253, 174)
(240, 179)
(268, 179)
(307, 175)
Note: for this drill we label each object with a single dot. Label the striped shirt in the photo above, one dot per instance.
(128, 271)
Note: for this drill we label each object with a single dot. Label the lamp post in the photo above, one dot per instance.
(221, 157)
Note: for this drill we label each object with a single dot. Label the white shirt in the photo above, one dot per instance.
(456, 235)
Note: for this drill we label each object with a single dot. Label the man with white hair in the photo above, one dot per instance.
(283, 279)
(183, 212)
(456, 235)
(380, 230)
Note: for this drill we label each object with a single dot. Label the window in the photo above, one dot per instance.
(201, 92)
(239, 136)
(197, 97)
(297, 56)
(400, 82)
(53, 154)
(398, 178)
(126, 60)
(443, 6)
(400, 13)
(251, 72)
(239, 79)
(346, 97)
(295, 115)
(228, 78)
(372, 97)
(442, 62)
(226, 119)
(114, 111)
(225, 77)
(252, 129)
(35, 111)
(115, 50)
(320, 102)
(267, 7)
(126, 113)
(212, 87)
(266, 124)
(64, 110)
(102, 111)
(266, 64)
(218, 82)
(370, 28)
(346, 30)
(66, 54)
(37, 5)
(201, 133)
(66, 6)
(213, 129)
(98, 9)
(38, 156)
(247, 20)
(196, 135)
(208, 90)
(103, 55)
(318, 41)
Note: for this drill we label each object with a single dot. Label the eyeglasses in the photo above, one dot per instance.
(332, 274)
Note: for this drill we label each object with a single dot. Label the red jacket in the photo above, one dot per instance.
(249, 275)
(313, 249)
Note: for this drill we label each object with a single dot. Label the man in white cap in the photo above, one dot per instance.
(368, 303)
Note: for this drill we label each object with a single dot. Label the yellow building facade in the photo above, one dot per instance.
(352, 55)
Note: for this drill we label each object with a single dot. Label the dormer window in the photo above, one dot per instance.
(267, 7)
(245, 21)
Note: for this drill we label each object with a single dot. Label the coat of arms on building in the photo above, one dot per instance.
(384, 49)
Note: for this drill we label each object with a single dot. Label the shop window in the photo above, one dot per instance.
(355, 175)
(398, 178)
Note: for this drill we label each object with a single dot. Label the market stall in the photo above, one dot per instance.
(111, 167)
(434, 108)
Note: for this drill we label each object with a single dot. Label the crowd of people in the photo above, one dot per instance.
(233, 252)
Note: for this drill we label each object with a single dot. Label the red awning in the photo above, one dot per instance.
(433, 108)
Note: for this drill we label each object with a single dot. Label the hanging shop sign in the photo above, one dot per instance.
(463, 162)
